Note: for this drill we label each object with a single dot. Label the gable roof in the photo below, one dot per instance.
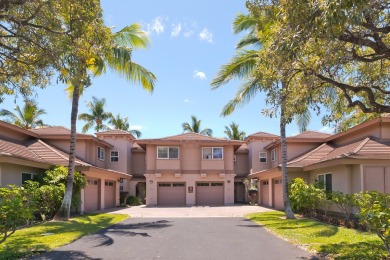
(262, 135)
(306, 137)
(114, 132)
(188, 137)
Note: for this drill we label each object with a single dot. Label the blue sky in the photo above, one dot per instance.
(190, 41)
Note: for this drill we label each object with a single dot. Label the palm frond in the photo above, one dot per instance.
(240, 66)
(132, 36)
(243, 22)
(303, 120)
(248, 40)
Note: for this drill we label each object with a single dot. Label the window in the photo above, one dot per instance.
(265, 183)
(92, 182)
(216, 184)
(178, 184)
(109, 183)
(278, 181)
(164, 185)
(212, 153)
(101, 153)
(202, 184)
(167, 152)
(27, 177)
(326, 181)
(114, 156)
(273, 155)
(262, 157)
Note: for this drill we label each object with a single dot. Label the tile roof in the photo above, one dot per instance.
(368, 148)
(190, 137)
(51, 130)
(113, 132)
(37, 151)
(310, 134)
(263, 134)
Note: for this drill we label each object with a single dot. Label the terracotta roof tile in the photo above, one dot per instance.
(263, 134)
(113, 132)
(310, 134)
(190, 137)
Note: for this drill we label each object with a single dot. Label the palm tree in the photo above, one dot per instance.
(27, 117)
(234, 133)
(122, 124)
(303, 120)
(97, 115)
(119, 59)
(244, 66)
(194, 127)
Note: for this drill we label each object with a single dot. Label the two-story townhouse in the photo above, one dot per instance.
(24, 153)
(189, 169)
(350, 162)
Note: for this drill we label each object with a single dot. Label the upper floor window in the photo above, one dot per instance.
(100, 153)
(273, 155)
(114, 156)
(27, 177)
(167, 152)
(262, 157)
(326, 181)
(212, 153)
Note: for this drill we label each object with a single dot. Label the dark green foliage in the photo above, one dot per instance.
(133, 201)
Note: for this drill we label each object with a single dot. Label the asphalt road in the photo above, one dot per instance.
(180, 238)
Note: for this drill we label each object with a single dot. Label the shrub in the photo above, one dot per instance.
(17, 209)
(133, 201)
(345, 202)
(374, 212)
(253, 196)
(306, 198)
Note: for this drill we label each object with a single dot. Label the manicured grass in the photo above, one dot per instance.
(333, 241)
(49, 235)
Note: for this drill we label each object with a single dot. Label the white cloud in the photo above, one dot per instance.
(206, 35)
(188, 34)
(327, 129)
(136, 127)
(176, 29)
(199, 74)
(157, 25)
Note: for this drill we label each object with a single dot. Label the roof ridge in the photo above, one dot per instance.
(363, 143)
(309, 153)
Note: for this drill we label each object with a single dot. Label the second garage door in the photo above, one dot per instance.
(171, 194)
(278, 194)
(264, 193)
(209, 193)
(109, 194)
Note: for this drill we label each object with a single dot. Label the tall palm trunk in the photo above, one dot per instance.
(64, 212)
(286, 199)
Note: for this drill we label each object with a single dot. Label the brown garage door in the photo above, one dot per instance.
(171, 194)
(277, 194)
(264, 193)
(209, 193)
(109, 194)
(91, 195)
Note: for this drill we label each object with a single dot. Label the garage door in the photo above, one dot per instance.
(264, 193)
(210, 193)
(277, 194)
(91, 195)
(171, 194)
(377, 178)
(109, 194)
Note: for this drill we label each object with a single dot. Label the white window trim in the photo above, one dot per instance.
(273, 155)
(266, 159)
(104, 153)
(168, 158)
(114, 156)
(212, 153)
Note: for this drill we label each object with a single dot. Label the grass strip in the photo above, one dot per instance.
(327, 240)
(49, 235)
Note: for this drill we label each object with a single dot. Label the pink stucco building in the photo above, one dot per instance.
(192, 169)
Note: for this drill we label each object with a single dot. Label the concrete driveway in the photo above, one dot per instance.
(189, 212)
(181, 238)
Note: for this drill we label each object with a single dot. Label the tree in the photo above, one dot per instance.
(27, 117)
(260, 72)
(234, 133)
(93, 48)
(303, 120)
(122, 124)
(194, 127)
(343, 45)
(97, 115)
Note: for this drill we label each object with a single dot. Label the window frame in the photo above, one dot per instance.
(325, 181)
(212, 153)
(117, 156)
(168, 153)
(31, 176)
(273, 155)
(264, 157)
(101, 153)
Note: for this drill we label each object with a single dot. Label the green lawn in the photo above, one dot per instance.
(336, 242)
(49, 235)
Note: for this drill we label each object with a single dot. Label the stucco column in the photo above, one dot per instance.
(270, 192)
(151, 190)
(229, 189)
(117, 193)
(82, 199)
(190, 197)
